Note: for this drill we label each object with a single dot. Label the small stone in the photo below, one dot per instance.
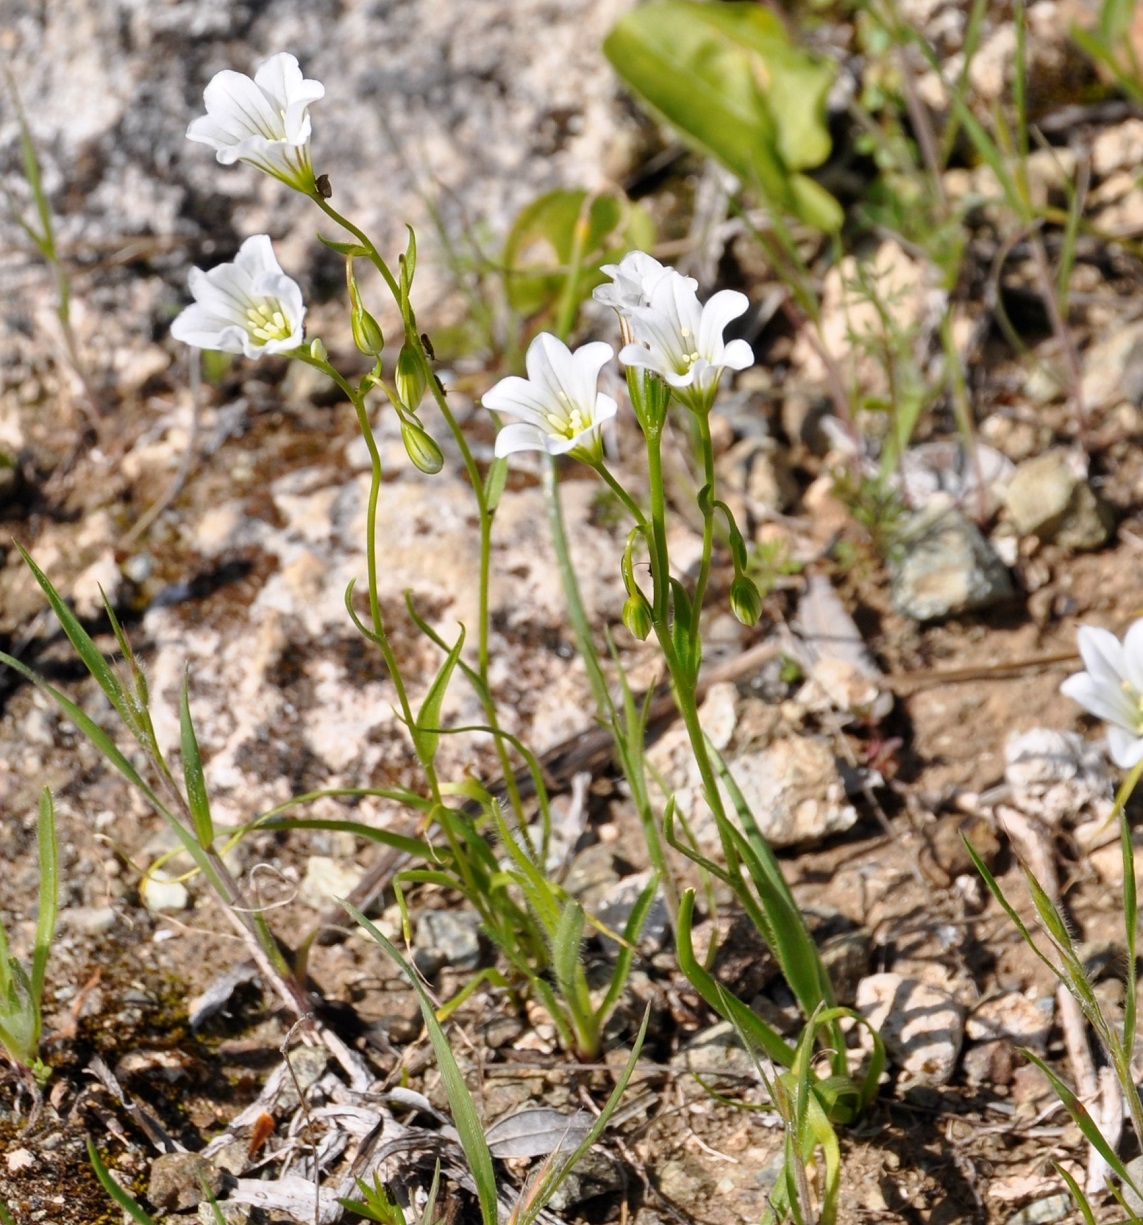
(177, 1178)
(1055, 775)
(19, 1161)
(922, 1027)
(595, 1174)
(615, 907)
(232, 1214)
(1106, 363)
(794, 790)
(1014, 1016)
(159, 893)
(1049, 497)
(718, 1053)
(452, 936)
(947, 568)
(1044, 1211)
(846, 960)
(990, 1063)
(90, 920)
(327, 879)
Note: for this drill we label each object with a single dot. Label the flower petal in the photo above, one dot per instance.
(520, 436)
(1133, 655)
(738, 355)
(1102, 653)
(1101, 698)
(1126, 749)
(724, 306)
(516, 396)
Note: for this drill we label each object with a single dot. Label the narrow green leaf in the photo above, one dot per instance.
(353, 249)
(725, 1004)
(465, 1118)
(114, 1189)
(88, 652)
(494, 483)
(1078, 1197)
(427, 731)
(197, 798)
(49, 894)
(567, 948)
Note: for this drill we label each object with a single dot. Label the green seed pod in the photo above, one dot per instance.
(421, 448)
(637, 616)
(745, 600)
(410, 376)
(367, 333)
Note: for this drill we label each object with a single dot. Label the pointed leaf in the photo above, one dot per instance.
(197, 798)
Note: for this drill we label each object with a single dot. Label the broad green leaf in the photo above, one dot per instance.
(540, 253)
(727, 77)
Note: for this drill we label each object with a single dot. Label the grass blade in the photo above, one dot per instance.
(468, 1125)
(49, 893)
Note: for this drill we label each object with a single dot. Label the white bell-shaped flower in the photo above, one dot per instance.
(264, 121)
(249, 306)
(560, 410)
(1111, 688)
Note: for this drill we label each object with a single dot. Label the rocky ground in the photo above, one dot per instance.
(225, 521)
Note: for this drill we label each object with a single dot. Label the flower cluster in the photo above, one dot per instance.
(667, 332)
(1111, 688)
(250, 306)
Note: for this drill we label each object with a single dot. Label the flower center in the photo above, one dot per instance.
(571, 421)
(266, 322)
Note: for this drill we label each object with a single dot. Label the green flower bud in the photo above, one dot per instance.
(637, 616)
(745, 600)
(411, 381)
(367, 332)
(421, 448)
(318, 351)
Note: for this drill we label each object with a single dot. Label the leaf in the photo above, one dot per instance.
(354, 249)
(426, 732)
(541, 245)
(49, 894)
(197, 797)
(468, 1125)
(537, 1131)
(113, 1189)
(727, 77)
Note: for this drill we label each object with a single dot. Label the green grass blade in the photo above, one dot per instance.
(89, 653)
(49, 893)
(427, 731)
(725, 1004)
(465, 1118)
(1130, 915)
(6, 1218)
(1083, 1121)
(1078, 1197)
(114, 1189)
(197, 798)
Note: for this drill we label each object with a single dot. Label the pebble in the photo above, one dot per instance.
(176, 1180)
(451, 936)
(1049, 497)
(922, 1027)
(1014, 1016)
(1043, 1211)
(90, 920)
(1056, 775)
(947, 567)
(159, 893)
(794, 790)
(326, 879)
(615, 906)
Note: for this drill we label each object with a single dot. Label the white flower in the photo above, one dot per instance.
(264, 121)
(682, 342)
(633, 280)
(1111, 688)
(249, 306)
(561, 412)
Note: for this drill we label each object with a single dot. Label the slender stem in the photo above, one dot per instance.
(660, 564)
(616, 488)
(707, 532)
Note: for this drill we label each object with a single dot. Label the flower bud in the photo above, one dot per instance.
(318, 351)
(745, 599)
(421, 448)
(637, 616)
(410, 376)
(367, 332)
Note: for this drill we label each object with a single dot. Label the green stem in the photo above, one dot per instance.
(660, 565)
(707, 532)
(616, 488)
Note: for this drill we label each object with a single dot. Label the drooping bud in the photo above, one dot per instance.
(367, 333)
(637, 616)
(421, 448)
(410, 376)
(745, 599)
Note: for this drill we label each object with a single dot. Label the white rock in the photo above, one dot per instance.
(1013, 1016)
(922, 1028)
(1056, 775)
(327, 879)
(159, 893)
